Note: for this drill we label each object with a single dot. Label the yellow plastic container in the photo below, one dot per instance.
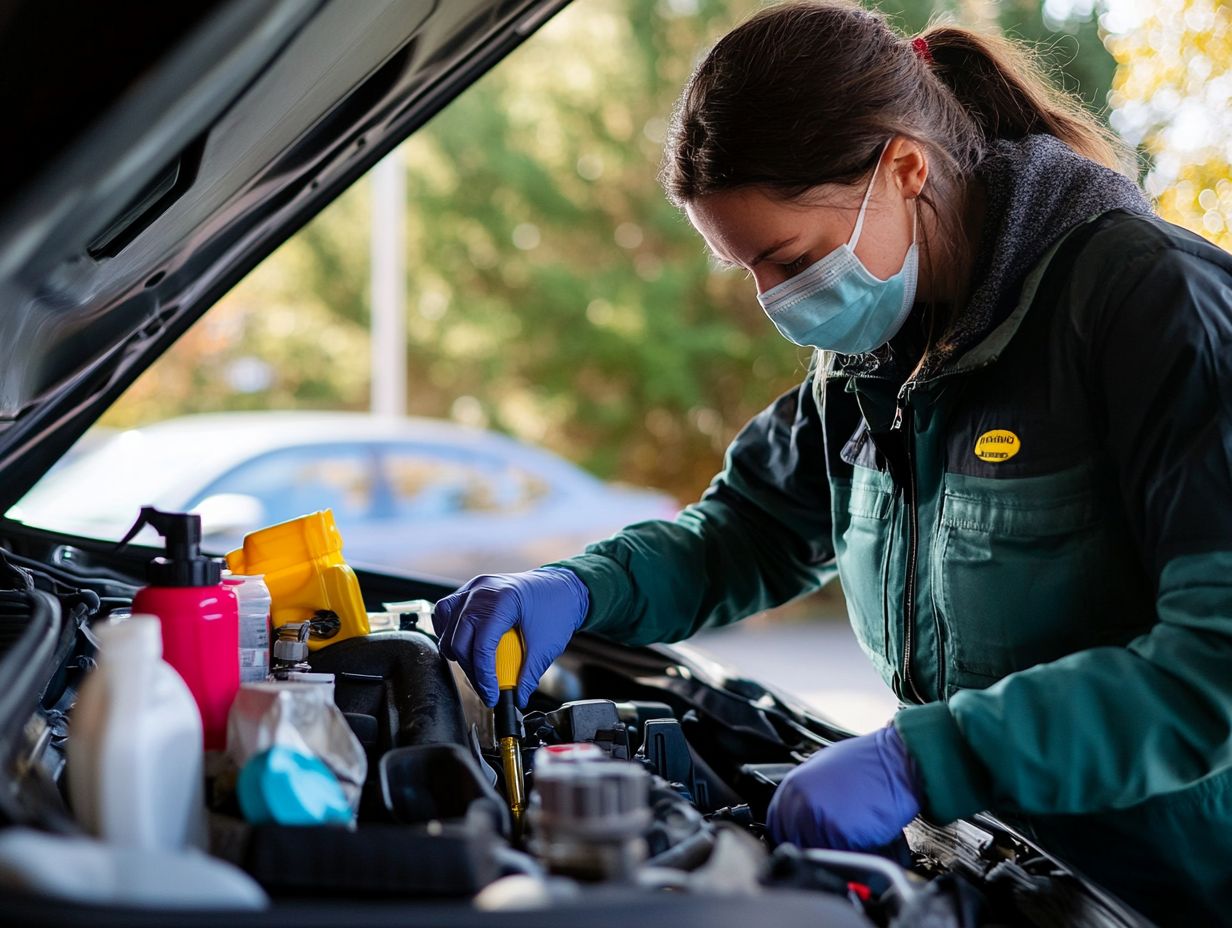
(303, 567)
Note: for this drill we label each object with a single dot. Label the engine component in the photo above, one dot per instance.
(679, 835)
(588, 815)
(293, 641)
(666, 752)
(553, 754)
(593, 720)
(736, 864)
(290, 651)
(437, 782)
(637, 712)
(395, 690)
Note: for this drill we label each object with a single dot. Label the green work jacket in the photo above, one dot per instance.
(1036, 549)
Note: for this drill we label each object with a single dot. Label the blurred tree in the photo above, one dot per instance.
(539, 222)
(553, 291)
(1064, 34)
(1173, 95)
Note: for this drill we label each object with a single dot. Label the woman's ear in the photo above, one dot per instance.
(908, 165)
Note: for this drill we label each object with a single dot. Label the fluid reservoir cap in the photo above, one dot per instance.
(590, 799)
(581, 752)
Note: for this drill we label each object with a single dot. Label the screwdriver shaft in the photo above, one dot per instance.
(515, 779)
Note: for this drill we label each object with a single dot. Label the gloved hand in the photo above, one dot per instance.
(855, 795)
(548, 603)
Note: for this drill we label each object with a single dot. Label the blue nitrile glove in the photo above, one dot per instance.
(548, 603)
(855, 795)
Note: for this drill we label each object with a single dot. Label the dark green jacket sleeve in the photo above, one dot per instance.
(760, 536)
(1110, 727)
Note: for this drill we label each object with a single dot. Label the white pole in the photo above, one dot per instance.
(388, 251)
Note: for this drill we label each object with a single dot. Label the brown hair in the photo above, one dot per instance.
(807, 93)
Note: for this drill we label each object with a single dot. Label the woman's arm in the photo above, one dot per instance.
(759, 537)
(1110, 727)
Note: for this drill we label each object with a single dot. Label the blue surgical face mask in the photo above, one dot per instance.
(837, 304)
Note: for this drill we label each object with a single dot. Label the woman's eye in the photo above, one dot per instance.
(793, 267)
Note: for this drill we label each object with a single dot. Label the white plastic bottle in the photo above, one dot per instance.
(135, 758)
(254, 602)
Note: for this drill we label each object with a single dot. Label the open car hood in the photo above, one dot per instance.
(172, 150)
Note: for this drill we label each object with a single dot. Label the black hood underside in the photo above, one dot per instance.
(170, 151)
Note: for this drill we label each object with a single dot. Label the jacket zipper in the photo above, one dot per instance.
(903, 403)
(900, 405)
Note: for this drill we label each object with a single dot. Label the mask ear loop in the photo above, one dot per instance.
(855, 233)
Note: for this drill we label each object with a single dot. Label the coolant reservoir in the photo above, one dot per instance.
(306, 574)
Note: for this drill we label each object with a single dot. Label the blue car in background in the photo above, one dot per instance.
(408, 494)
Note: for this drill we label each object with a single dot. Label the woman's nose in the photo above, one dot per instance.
(768, 277)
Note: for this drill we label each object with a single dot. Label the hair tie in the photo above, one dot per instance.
(920, 44)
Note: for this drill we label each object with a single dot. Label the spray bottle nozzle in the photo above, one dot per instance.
(180, 529)
(184, 564)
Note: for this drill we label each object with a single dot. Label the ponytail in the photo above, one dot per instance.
(1005, 91)
(806, 92)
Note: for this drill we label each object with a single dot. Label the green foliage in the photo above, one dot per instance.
(629, 354)
(1071, 51)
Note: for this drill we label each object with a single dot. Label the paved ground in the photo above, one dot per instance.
(818, 661)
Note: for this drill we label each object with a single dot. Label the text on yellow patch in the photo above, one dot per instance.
(997, 445)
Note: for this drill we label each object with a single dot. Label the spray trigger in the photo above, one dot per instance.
(176, 527)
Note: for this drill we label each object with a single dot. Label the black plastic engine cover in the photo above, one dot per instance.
(401, 680)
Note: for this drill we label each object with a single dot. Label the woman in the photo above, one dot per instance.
(1014, 447)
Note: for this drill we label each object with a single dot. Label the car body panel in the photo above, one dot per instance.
(478, 501)
(225, 146)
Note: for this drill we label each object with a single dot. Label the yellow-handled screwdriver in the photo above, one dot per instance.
(507, 721)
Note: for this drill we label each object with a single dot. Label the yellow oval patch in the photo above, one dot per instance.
(997, 446)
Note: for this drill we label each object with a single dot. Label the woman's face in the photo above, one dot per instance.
(774, 239)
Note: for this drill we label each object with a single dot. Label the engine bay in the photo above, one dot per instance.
(648, 770)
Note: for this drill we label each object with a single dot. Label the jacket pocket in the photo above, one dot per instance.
(1026, 572)
(862, 535)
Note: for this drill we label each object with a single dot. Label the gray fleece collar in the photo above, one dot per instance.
(1037, 189)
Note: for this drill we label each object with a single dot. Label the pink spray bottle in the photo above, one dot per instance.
(199, 617)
